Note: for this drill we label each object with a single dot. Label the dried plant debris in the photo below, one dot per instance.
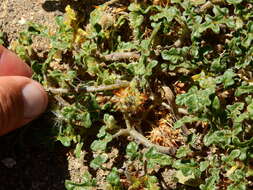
(163, 86)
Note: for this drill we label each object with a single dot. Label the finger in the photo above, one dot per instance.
(12, 65)
(21, 100)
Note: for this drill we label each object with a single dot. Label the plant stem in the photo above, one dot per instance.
(144, 141)
(139, 138)
(130, 131)
(121, 84)
(116, 56)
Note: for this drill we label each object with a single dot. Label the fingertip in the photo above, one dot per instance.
(21, 100)
(35, 100)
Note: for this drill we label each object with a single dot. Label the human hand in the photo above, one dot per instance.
(21, 98)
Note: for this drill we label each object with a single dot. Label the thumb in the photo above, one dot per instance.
(21, 100)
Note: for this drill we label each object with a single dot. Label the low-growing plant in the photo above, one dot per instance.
(172, 78)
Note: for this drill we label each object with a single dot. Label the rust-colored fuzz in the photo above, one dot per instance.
(129, 100)
(163, 133)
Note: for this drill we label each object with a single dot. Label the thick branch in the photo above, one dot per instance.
(144, 141)
(116, 56)
(130, 131)
(121, 84)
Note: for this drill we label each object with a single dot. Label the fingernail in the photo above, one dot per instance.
(34, 100)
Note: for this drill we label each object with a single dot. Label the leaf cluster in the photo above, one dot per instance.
(107, 74)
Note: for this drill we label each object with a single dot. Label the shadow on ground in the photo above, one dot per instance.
(84, 8)
(51, 6)
(29, 160)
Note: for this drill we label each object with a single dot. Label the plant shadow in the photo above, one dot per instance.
(51, 6)
(83, 7)
(29, 159)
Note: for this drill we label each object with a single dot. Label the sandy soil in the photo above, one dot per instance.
(15, 13)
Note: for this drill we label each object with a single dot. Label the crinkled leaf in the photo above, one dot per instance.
(227, 78)
(65, 140)
(210, 182)
(86, 120)
(110, 122)
(188, 168)
(233, 154)
(100, 145)
(168, 13)
(113, 177)
(240, 186)
(234, 1)
(173, 55)
(155, 158)
(220, 137)
(183, 151)
(78, 150)
(203, 165)
(244, 90)
(98, 161)
(132, 150)
(88, 183)
(196, 100)
(235, 109)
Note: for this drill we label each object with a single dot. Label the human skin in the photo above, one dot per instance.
(21, 98)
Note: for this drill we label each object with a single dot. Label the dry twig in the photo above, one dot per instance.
(117, 56)
(120, 84)
(130, 131)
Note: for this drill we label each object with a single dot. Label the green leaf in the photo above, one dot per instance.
(86, 120)
(233, 154)
(187, 119)
(235, 109)
(100, 145)
(78, 150)
(210, 182)
(155, 158)
(248, 40)
(132, 150)
(87, 183)
(227, 78)
(183, 151)
(168, 13)
(240, 186)
(152, 183)
(113, 177)
(87, 178)
(181, 178)
(110, 122)
(218, 65)
(187, 172)
(102, 132)
(216, 103)
(204, 165)
(98, 161)
(234, 1)
(244, 90)
(136, 19)
(250, 110)
(237, 176)
(65, 140)
(220, 137)
(150, 67)
(173, 55)
(196, 100)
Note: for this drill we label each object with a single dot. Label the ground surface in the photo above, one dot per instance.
(25, 163)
